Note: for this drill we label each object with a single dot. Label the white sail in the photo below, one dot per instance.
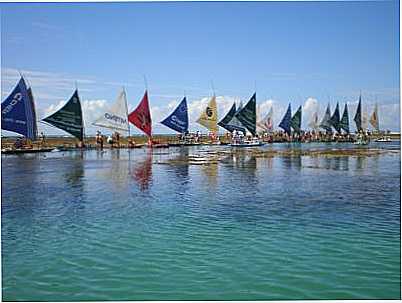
(314, 124)
(266, 124)
(115, 117)
(365, 120)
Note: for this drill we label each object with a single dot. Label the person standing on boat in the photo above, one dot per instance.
(109, 140)
(42, 139)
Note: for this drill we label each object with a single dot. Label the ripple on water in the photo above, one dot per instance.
(87, 228)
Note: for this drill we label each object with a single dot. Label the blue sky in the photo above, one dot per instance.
(306, 53)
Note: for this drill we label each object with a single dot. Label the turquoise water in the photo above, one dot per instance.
(127, 226)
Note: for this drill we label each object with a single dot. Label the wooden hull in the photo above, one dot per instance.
(25, 151)
(246, 144)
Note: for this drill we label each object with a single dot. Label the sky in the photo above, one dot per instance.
(303, 53)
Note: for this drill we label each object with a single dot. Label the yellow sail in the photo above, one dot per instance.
(374, 118)
(209, 117)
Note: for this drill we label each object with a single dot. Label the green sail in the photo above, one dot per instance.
(325, 123)
(344, 123)
(358, 115)
(335, 120)
(248, 115)
(69, 117)
(295, 121)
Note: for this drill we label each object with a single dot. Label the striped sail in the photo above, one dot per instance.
(266, 123)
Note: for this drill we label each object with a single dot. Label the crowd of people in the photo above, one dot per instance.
(113, 140)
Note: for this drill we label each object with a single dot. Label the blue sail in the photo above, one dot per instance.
(18, 113)
(286, 120)
(178, 120)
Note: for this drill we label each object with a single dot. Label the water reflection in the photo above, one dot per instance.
(181, 166)
(142, 172)
(211, 173)
(361, 162)
(74, 172)
(292, 162)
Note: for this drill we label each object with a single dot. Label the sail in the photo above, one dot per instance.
(285, 123)
(313, 124)
(374, 118)
(344, 123)
(69, 117)
(141, 116)
(248, 115)
(234, 123)
(34, 118)
(115, 117)
(18, 112)
(224, 122)
(335, 119)
(295, 121)
(365, 120)
(358, 115)
(325, 122)
(178, 120)
(209, 117)
(266, 124)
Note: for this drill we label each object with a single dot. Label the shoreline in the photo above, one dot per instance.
(141, 140)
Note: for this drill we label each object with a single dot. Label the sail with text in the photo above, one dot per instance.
(266, 124)
(69, 117)
(234, 123)
(178, 119)
(295, 121)
(335, 119)
(115, 117)
(325, 122)
(285, 123)
(209, 117)
(358, 115)
(248, 115)
(374, 118)
(141, 116)
(18, 112)
(344, 123)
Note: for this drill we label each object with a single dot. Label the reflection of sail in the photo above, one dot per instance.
(360, 162)
(119, 169)
(211, 172)
(181, 168)
(143, 172)
(292, 162)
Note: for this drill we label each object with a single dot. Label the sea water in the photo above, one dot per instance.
(129, 225)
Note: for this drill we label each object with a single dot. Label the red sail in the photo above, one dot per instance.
(141, 116)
